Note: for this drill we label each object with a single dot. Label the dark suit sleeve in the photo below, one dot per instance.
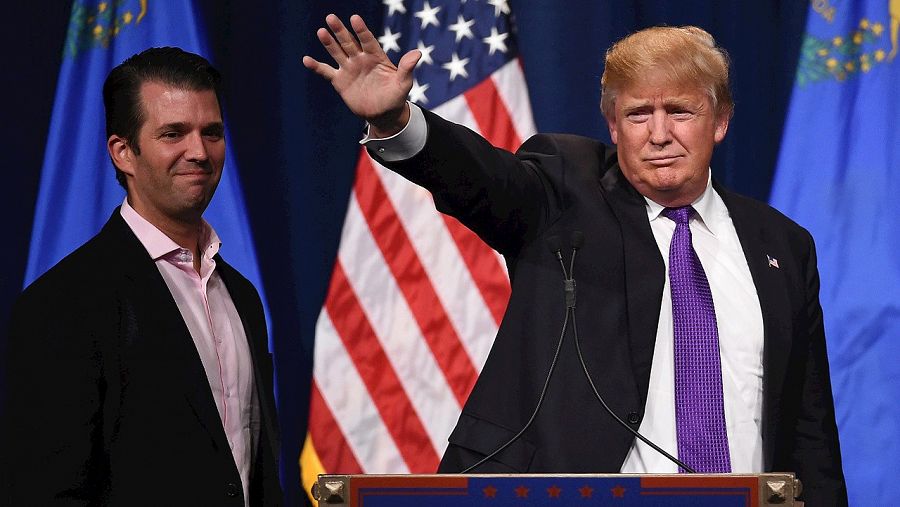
(816, 451)
(504, 198)
(53, 413)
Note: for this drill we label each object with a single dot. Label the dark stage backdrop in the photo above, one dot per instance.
(296, 144)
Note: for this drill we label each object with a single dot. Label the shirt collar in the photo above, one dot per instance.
(709, 207)
(158, 244)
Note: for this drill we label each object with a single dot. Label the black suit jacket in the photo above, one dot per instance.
(108, 402)
(557, 184)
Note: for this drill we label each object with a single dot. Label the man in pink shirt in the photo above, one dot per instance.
(140, 371)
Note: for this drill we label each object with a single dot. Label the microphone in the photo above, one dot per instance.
(577, 241)
(553, 243)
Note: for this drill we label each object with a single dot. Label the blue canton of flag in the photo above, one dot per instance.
(839, 176)
(462, 43)
(78, 189)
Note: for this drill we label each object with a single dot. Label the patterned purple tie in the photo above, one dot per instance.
(699, 408)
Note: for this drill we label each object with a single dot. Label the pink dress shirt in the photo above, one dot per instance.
(216, 328)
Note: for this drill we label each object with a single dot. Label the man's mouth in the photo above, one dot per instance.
(195, 173)
(662, 161)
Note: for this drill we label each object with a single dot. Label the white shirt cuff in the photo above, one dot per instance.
(404, 144)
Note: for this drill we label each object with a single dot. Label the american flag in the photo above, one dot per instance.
(415, 298)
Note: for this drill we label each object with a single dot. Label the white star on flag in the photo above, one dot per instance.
(394, 6)
(462, 28)
(428, 15)
(426, 53)
(500, 6)
(389, 40)
(417, 94)
(456, 67)
(495, 41)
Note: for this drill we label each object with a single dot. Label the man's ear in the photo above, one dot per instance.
(722, 119)
(121, 154)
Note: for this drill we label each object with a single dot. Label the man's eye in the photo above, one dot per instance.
(171, 135)
(638, 117)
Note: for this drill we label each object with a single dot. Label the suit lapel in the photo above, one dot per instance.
(645, 278)
(759, 247)
(644, 273)
(161, 321)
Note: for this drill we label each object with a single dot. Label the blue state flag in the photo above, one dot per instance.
(839, 176)
(78, 189)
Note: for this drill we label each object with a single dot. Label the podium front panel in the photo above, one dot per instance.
(620, 490)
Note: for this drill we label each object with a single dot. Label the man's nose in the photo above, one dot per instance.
(660, 131)
(196, 150)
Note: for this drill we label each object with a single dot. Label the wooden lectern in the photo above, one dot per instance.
(620, 490)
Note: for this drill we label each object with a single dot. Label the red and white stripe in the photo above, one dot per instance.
(414, 304)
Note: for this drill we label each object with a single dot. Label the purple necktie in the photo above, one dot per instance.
(699, 408)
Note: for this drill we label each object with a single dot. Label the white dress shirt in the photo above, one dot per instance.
(740, 326)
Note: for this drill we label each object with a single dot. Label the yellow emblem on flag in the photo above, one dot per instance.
(843, 55)
(894, 9)
(95, 24)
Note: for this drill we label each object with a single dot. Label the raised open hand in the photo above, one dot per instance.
(371, 86)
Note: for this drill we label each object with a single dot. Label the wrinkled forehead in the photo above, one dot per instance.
(659, 85)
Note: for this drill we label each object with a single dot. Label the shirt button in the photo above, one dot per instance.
(381, 149)
(232, 490)
(634, 418)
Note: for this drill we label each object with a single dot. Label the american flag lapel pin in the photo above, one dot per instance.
(773, 262)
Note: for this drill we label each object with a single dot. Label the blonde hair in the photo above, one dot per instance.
(687, 55)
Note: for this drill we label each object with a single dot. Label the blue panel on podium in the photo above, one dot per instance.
(722, 490)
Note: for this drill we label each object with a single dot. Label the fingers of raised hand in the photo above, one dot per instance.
(343, 45)
(328, 42)
(366, 39)
(324, 70)
(347, 41)
(408, 62)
